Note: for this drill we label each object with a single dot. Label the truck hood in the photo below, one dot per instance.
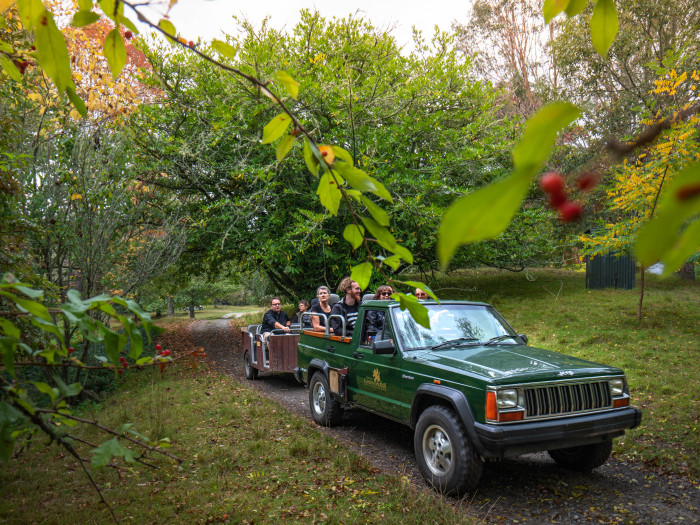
(502, 362)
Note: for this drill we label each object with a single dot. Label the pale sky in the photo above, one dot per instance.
(208, 18)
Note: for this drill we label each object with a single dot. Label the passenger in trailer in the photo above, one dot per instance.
(348, 307)
(275, 319)
(323, 294)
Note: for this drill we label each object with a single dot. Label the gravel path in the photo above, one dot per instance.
(529, 489)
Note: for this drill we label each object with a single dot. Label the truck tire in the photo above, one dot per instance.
(582, 459)
(250, 372)
(445, 456)
(325, 409)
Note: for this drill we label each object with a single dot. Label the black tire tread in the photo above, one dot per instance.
(334, 412)
(468, 460)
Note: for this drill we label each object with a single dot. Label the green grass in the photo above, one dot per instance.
(660, 354)
(245, 460)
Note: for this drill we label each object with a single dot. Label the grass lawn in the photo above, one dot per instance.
(245, 460)
(660, 354)
(209, 313)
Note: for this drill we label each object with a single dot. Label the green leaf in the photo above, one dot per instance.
(660, 235)
(604, 26)
(103, 454)
(386, 240)
(328, 193)
(10, 68)
(52, 52)
(284, 146)
(224, 49)
(7, 48)
(9, 415)
(77, 102)
(309, 158)
(486, 212)
(29, 292)
(422, 286)
(67, 390)
(377, 213)
(169, 30)
(34, 308)
(30, 12)
(361, 274)
(113, 342)
(356, 178)
(686, 245)
(354, 234)
(84, 18)
(9, 328)
(541, 132)
(392, 261)
(85, 5)
(291, 85)
(8, 345)
(575, 7)
(115, 52)
(417, 310)
(552, 8)
(113, 9)
(342, 155)
(144, 360)
(46, 389)
(276, 128)
(46, 326)
(381, 191)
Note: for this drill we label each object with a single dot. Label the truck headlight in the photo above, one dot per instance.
(507, 398)
(617, 387)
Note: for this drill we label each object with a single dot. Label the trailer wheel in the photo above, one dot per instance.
(325, 409)
(250, 372)
(444, 454)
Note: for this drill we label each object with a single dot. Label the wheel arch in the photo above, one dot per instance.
(316, 365)
(428, 395)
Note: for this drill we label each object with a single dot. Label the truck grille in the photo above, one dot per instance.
(571, 398)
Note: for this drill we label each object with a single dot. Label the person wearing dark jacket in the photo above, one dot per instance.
(348, 307)
(275, 318)
(375, 318)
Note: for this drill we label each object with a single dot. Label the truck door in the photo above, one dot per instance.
(375, 380)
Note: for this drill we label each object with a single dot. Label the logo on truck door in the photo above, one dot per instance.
(375, 381)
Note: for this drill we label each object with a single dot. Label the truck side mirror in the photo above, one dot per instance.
(383, 346)
(523, 337)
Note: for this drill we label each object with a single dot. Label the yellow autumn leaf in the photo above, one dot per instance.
(76, 196)
(75, 114)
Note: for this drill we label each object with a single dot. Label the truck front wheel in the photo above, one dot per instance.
(325, 409)
(582, 459)
(444, 454)
(250, 372)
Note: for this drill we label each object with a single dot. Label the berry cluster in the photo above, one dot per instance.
(553, 184)
(162, 353)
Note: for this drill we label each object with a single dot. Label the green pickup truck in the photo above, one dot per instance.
(470, 387)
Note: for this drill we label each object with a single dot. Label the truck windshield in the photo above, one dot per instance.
(467, 324)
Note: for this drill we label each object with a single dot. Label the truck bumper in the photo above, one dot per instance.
(521, 438)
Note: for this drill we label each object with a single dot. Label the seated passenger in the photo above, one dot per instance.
(274, 319)
(347, 307)
(299, 318)
(323, 294)
(420, 294)
(375, 319)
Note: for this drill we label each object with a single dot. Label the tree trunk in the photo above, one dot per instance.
(641, 295)
(687, 272)
(171, 306)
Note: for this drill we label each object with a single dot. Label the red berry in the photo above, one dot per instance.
(125, 364)
(128, 34)
(33, 48)
(552, 182)
(570, 211)
(587, 181)
(190, 43)
(166, 353)
(120, 372)
(71, 349)
(557, 199)
(158, 347)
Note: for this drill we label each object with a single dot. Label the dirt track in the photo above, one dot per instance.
(529, 489)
